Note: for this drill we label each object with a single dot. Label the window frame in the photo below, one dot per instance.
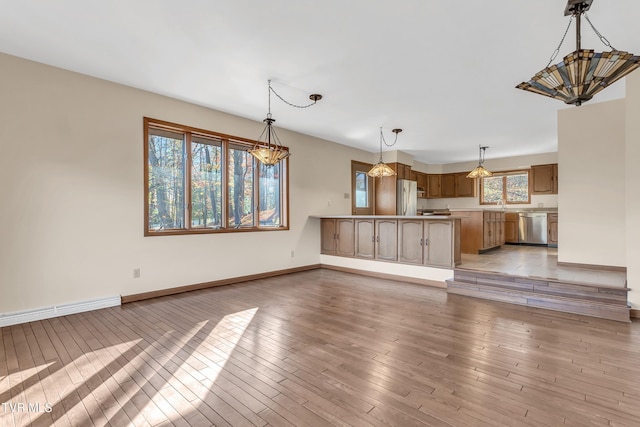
(504, 175)
(226, 141)
(356, 167)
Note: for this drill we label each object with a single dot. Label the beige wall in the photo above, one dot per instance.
(507, 163)
(71, 205)
(632, 155)
(591, 155)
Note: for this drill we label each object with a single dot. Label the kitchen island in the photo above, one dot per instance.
(425, 247)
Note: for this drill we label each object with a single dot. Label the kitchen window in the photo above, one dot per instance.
(199, 181)
(511, 187)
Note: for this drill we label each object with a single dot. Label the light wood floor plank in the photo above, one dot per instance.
(321, 348)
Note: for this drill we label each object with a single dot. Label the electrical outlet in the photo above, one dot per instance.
(136, 273)
(291, 254)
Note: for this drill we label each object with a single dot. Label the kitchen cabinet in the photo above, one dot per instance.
(421, 178)
(544, 179)
(385, 195)
(408, 240)
(365, 238)
(433, 186)
(430, 243)
(552, 225)
(403, 171)
(493, 232)
(386, 245)
(337, 237)
(448, 185)
(481, 230)
(511, 227)
(440, 244)
(465, 187)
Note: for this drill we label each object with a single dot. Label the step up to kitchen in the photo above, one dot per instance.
(597, 300)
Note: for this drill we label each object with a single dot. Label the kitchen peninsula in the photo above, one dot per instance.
(430, 241)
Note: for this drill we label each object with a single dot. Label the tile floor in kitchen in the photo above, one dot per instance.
(538, 262)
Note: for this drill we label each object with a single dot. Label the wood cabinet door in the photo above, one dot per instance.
(345, 237)
(328, 236)
(410, 243)
(433, 186)
(552, 223)
(500, 239)
(422, 181)
(385, 196)
(465, 187)
(386, 239)
(488, 231)
(448, 185)
(438, 235)
(365, 238)
(511, 227)
(544, 179)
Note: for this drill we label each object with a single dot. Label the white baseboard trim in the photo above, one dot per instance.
(8, 319)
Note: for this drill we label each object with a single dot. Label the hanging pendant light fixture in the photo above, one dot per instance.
(582, 73)
(480, 171)
(269, 151)
(381, 169)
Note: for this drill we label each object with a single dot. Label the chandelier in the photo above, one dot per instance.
(381, 169)
(480, 171)
(582, 73)
(268, 149)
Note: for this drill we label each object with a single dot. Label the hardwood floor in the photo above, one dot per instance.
(320, 348)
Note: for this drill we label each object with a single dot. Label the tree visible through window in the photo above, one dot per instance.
(201, 181)
(510, 187)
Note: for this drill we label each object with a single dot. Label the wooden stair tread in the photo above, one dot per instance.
(601, 301)
(540, 278)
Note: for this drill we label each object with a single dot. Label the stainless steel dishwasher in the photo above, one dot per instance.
(532, 227)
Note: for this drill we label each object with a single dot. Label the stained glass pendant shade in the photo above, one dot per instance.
(381, 169)
(480, 171)
(584, 72)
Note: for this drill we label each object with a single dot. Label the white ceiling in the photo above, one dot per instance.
(443, 70)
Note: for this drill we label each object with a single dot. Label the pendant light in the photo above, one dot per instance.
(480, 171)
(582, 73)
(381, 169)
(269, 151)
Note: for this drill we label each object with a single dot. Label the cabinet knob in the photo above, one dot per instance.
(421, 242)
(426, 241)
(378, 239)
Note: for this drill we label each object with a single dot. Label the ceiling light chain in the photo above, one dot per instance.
(271, 151)
(396, 131)
(557, 51)
(602, 38)
(314, 97)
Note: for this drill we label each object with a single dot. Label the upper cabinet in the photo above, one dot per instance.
(544, 179)
(465, 187)
(450, 185)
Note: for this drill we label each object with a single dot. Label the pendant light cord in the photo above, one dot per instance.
(287, 102)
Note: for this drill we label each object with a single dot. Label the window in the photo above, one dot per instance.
(512, 187)
(199, 181)
(361, 189)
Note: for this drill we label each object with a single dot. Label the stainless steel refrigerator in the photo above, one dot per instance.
(406, 197)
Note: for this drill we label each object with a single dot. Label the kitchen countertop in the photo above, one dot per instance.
(439, 217)
(510, 210)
